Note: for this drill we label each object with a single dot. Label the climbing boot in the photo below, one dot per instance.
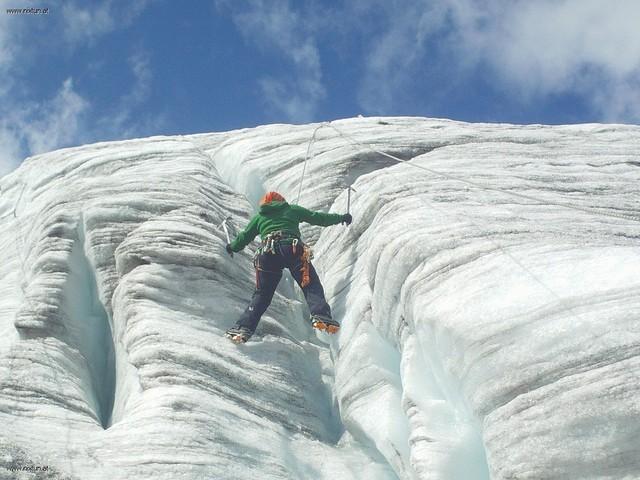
(326, 324)
(238, 334)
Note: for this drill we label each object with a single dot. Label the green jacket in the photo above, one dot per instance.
(280, 216)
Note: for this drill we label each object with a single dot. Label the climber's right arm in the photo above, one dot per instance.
(317, 218)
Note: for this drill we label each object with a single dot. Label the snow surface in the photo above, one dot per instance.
(489, 301)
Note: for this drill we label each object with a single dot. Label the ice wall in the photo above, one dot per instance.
(480, 324)
(484, 334)
(116, 291)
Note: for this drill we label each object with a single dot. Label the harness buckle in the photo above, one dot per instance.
(270, 242)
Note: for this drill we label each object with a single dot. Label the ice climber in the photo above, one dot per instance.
(277, 223)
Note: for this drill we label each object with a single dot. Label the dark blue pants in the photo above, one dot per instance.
(269, 268)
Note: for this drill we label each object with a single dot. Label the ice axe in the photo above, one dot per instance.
(349, 188)
(223, 224)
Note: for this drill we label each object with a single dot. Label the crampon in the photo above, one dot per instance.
(238, 334)
(325, 325)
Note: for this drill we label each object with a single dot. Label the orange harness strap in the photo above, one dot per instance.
(306, 257)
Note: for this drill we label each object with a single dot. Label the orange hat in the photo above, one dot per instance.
(272, 197)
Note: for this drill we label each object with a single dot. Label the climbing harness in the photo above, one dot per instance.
(271, 241)
(271, 245)
(268, 245)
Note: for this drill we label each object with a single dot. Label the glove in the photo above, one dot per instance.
(228, 249)
(346, 218)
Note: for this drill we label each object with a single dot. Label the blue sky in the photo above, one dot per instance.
(111, 69)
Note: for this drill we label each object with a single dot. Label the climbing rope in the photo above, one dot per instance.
(306, 158)
(592, 211)
(570, 309)
(497, 245)
(19, 242)
(353, 141)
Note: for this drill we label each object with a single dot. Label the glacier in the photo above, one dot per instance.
(488, 290)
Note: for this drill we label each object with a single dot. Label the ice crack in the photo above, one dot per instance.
(88, 321)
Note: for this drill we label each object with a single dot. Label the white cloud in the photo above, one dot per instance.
(56, 122)
(28, 126)
(397, 52)
(9, 149)
(39, 127)
(535, 49)
(296, 106)
(63, 120)
(82, 22)
(9, 33)
(5, 35)
(546, 45)
(31, 125)
(141, 70)
(273, 25)
(119, 124)
(87, 23)
(620, 101)
(588, 47)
